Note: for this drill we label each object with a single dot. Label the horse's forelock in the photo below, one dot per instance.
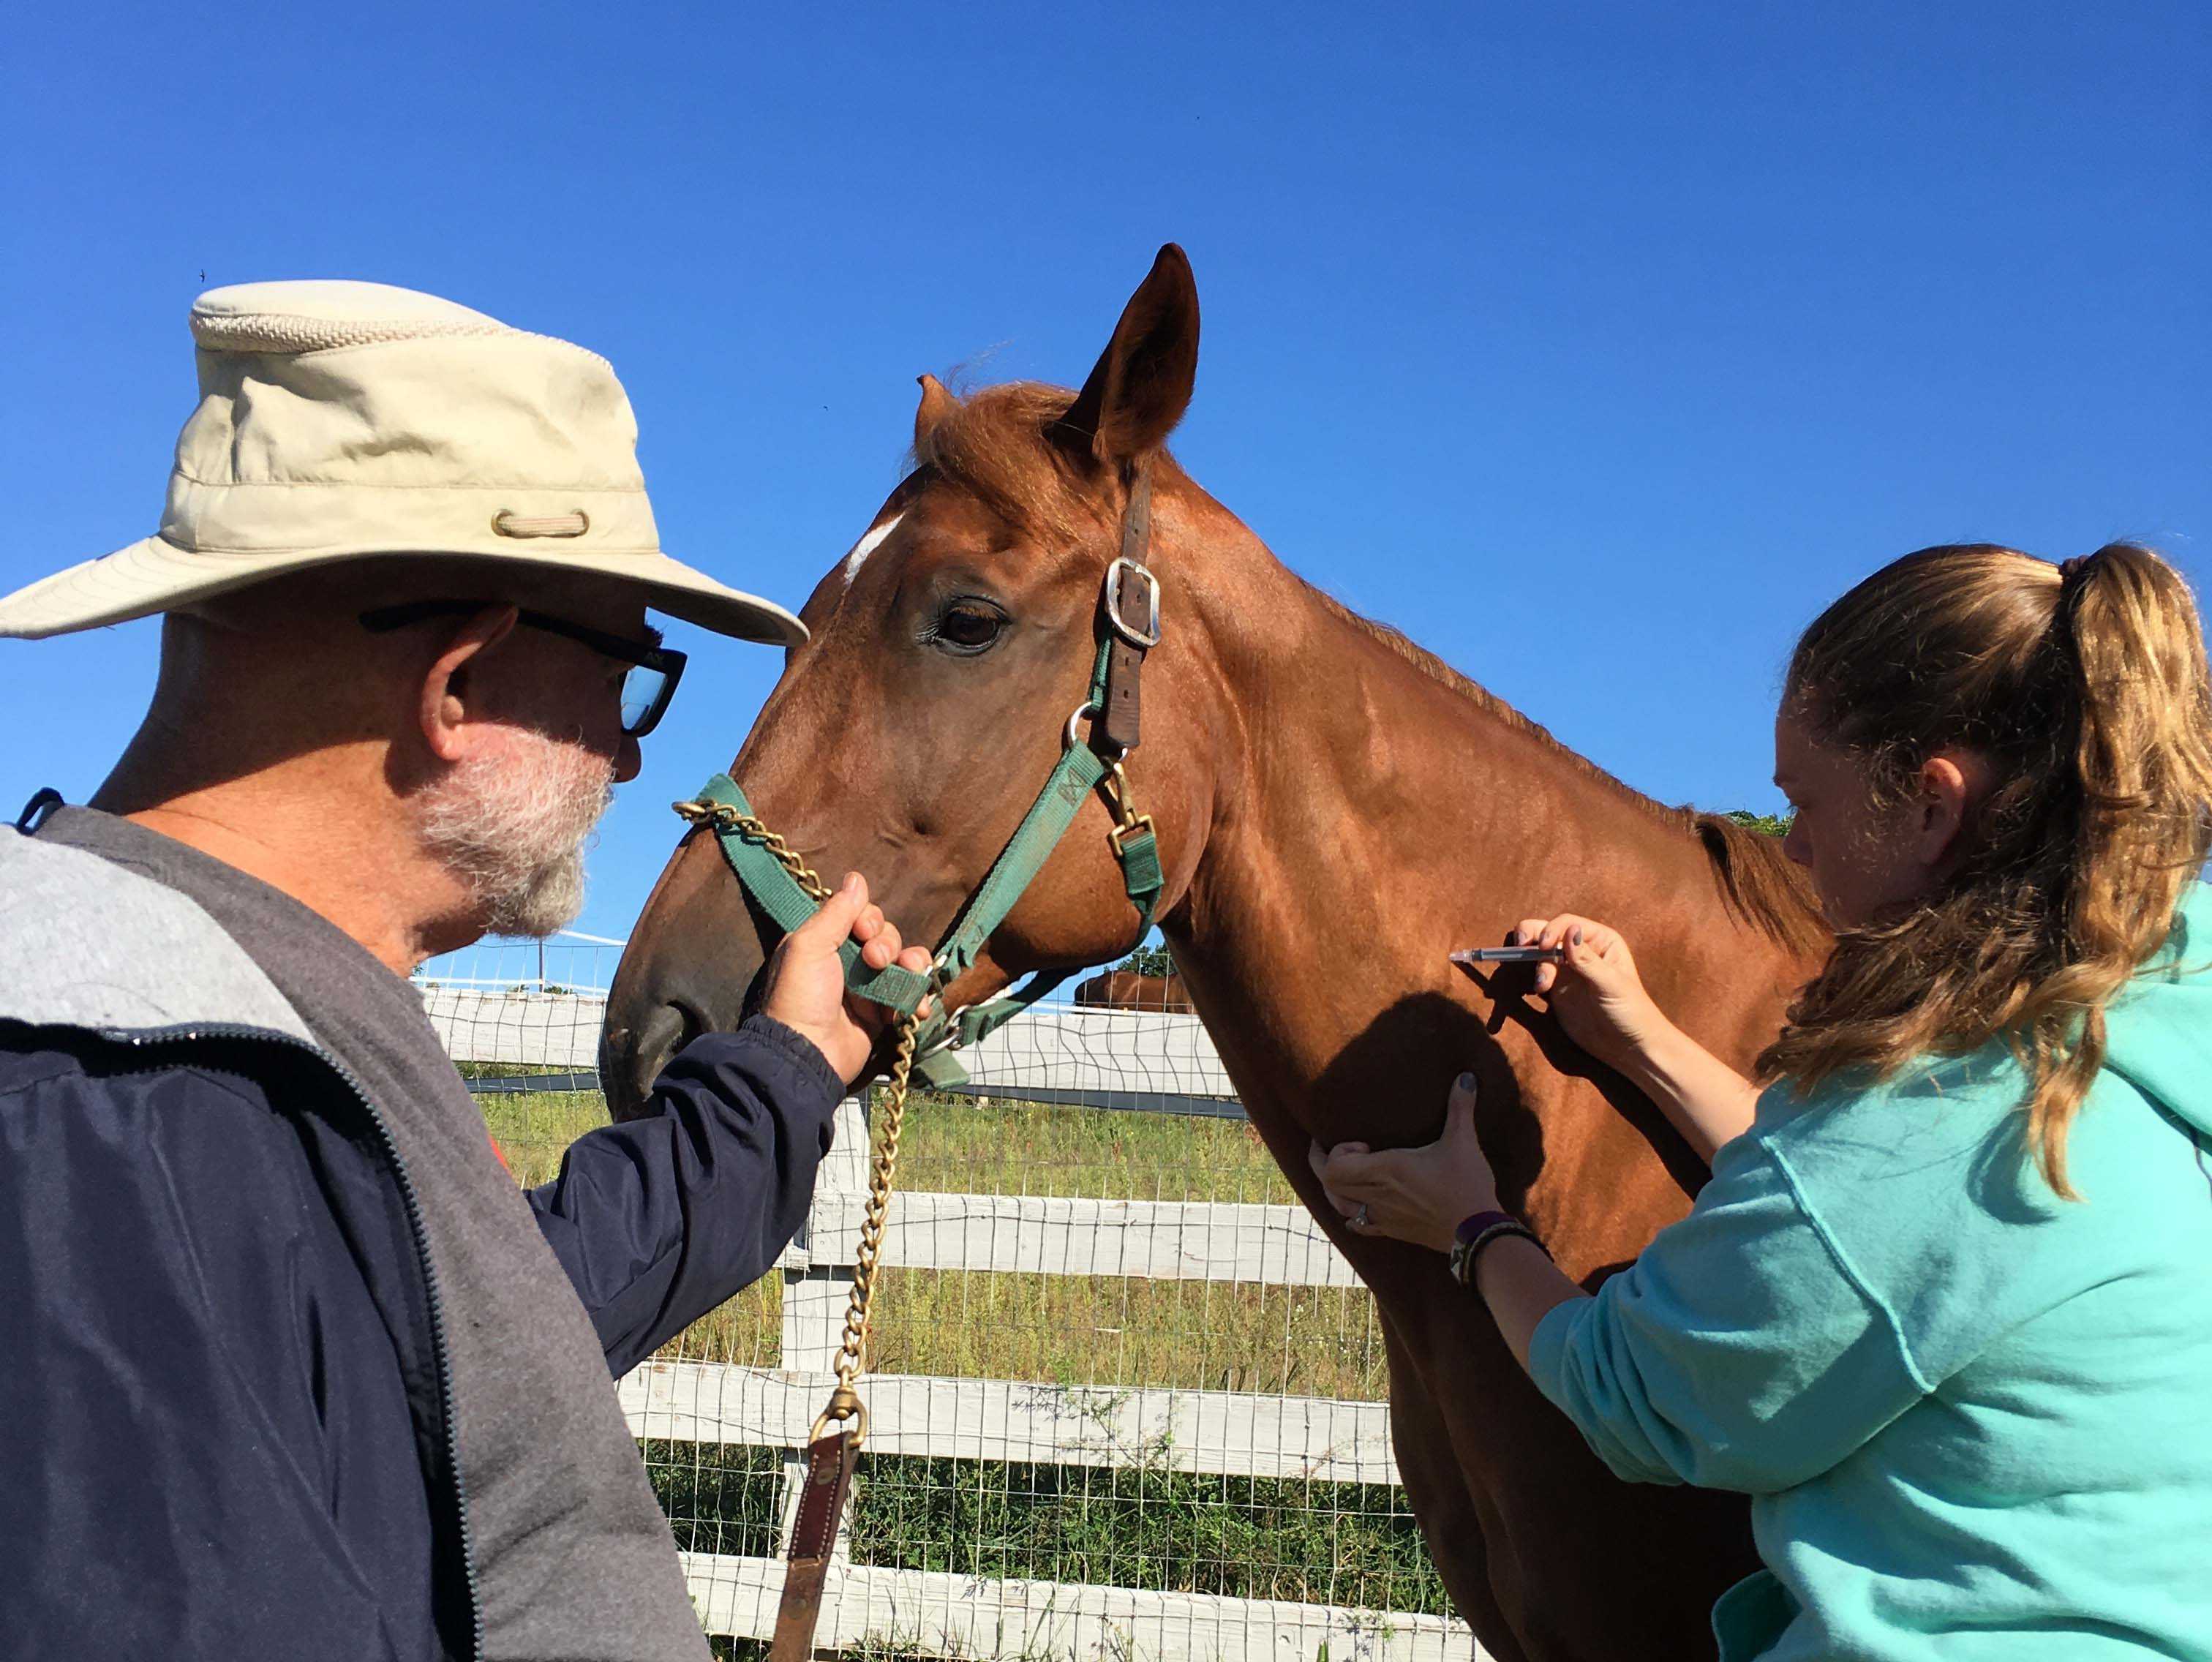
(994, 442)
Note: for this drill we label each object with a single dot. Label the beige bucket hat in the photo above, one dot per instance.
(342, 419)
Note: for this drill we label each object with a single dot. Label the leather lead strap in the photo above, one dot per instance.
(830, 1463)
(1125, 660)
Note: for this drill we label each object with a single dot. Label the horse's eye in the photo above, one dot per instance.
(968, 627)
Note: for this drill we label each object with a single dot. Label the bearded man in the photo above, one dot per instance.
(293, 1368)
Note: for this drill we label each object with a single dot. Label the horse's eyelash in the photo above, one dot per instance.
(932, 632)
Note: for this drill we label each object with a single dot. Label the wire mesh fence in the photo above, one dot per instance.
(1126, 1400)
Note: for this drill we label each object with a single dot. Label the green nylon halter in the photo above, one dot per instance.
(1077, 774)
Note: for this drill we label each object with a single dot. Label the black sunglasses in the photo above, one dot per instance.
(654, 669)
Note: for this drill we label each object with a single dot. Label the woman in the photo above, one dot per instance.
(1945, 1308)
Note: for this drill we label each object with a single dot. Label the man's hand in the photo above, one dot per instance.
(806, 985)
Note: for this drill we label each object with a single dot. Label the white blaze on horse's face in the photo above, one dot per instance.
(868, 546)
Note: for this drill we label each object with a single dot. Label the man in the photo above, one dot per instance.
(293, 1370)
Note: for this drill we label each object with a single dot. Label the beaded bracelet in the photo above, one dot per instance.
(1477, 1232)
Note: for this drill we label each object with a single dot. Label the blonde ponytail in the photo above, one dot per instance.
(2086, 687)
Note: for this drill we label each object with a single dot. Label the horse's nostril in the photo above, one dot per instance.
(666, 1029)
(692, 1025)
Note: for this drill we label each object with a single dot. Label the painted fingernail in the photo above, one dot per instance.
(1578, 937)
(1466, 1081)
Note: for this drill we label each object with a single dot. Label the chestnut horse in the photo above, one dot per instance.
(1336, 811)
(1126, 990)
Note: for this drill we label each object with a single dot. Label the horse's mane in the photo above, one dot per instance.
(990, 440)
(1757, 883)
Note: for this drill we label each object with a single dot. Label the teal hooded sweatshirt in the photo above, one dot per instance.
(1975, 1420)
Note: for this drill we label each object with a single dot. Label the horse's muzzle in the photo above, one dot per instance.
(631, 1056)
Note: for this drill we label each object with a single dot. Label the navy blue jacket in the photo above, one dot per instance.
(174, 1196)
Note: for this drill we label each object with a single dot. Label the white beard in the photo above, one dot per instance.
(512, 825)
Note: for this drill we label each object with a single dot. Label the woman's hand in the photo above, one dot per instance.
(1594, 989)
(1417, 1194)
(805, 984)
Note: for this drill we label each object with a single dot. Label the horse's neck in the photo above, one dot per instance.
(1384, 818)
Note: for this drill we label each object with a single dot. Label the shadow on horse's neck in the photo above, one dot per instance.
(1373, 810)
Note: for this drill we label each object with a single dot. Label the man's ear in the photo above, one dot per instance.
(447, 684)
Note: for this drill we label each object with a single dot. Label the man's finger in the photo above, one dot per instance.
(883, 944)
(838, 914)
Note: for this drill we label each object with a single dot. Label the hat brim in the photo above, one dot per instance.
(154, 575)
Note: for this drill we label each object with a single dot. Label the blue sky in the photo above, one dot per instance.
(1597, 348)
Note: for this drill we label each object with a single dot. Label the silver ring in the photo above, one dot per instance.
(1359, 1218)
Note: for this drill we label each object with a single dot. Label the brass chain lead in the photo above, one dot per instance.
(852, 1346)
(723, 817)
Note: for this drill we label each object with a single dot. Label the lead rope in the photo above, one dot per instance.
(883, 1169)
(833, 1444)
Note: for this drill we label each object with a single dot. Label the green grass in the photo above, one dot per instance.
(953, 1147)
(1163, 1530)
(1113, 1330)
(1141, 1526)
(1144, 1526)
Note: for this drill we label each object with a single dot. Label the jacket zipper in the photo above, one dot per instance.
(414, 1207)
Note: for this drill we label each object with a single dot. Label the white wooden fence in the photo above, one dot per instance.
(1069, 1054)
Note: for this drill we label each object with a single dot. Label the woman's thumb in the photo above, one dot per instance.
(1459, 1107)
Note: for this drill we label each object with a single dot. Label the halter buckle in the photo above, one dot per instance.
(1117, 793)
(1144, 639)
(1121, 833)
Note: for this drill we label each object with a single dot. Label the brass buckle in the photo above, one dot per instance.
(1143, 639)
(1121, 833)
(1117, 793)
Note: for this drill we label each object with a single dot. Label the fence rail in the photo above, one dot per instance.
(1235, 1433)
(1060, 1054)
(930, 1612)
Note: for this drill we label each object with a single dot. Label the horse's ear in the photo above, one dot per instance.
(1143, 380)
(936, 404)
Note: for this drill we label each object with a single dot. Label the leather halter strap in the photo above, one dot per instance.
(1132, 606)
